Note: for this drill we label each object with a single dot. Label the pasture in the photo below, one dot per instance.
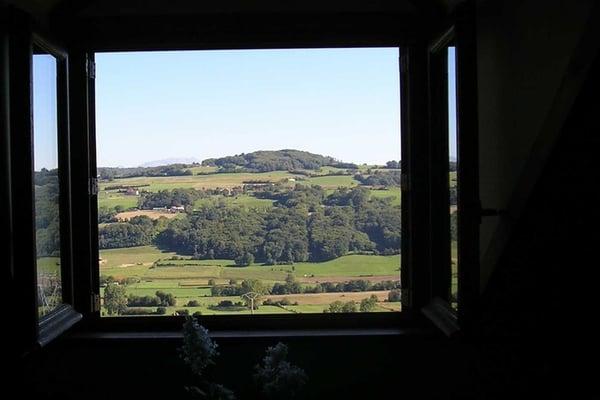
(189, 279)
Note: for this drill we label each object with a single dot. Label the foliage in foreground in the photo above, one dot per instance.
(276, 377)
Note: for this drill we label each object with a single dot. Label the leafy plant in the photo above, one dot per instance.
(199, 352)
(277, 377)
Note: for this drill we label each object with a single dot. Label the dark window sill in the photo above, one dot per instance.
(243, 327)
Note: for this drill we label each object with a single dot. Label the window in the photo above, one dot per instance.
(248, 182)
(453, 178)
(46, 181)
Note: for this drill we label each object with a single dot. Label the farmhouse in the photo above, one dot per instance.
(176, 209)
(132, 192)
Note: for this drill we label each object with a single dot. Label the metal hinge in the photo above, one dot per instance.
(95, 302)
(90, 69)
(404, 182)
(93, 189)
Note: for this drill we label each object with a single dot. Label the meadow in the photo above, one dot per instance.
(144, 270)
(189, 279)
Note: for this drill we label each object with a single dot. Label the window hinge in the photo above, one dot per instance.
(404, 182)
(93, 189)
(90, 69)
(95, 302)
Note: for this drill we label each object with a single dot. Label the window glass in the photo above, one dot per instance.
(46, 181)
(453, 164)
(249, 182)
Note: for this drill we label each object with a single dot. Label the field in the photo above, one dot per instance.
(206, 181)
(189, 279)
(144, 270)
(153, 214)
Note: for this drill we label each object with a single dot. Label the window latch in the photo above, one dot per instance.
(93, 189)
(95, 302)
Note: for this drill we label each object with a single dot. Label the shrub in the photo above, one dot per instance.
(394, 295)
(161, 310)
(192, 303)
(137, 311)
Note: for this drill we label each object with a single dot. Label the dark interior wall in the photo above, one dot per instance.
(524, 49)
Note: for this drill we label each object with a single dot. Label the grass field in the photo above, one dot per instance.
(48, 265)
(209, 181)
(333, 181)
(188, 279)
(393, 193)
(111, 199)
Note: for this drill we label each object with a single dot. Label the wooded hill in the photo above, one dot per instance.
(278, 160)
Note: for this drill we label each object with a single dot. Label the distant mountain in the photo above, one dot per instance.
(169, 161)
(275, 160)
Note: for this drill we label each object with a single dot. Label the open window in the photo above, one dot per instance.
(40, 186)
(238, 228)
(259, 182)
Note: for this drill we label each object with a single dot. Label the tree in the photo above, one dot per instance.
(277, 377)
(245, 259)
(368, 304)
(115, 299)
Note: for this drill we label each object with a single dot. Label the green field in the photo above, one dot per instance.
(188, 279)
(333, 181)
(209, 181)
(111, 199)
(48, 265)
(154, 270)
(393, 193)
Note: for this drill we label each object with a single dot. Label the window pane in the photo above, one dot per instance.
(452, 145)
(237, 178)
(45, 145)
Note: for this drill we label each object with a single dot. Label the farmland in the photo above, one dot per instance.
(304, 232)
(154, 270)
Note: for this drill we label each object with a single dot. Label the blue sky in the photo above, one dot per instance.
(339, 102)
(45, 139)
(157, 105)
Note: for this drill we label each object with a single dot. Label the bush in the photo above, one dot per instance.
(137, 311)
(161, 310)
(183, 312)
(394, 295)
(211, 282)
(193, 303)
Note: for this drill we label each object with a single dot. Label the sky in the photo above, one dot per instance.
(150, 106)
(344, 103)
(45, 138)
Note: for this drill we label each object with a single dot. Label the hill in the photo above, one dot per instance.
(275, 160)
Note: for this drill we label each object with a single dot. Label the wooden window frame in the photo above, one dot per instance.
(423, 279)
(41, 330)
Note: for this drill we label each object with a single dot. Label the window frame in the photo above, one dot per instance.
(233, 322)
(23, 36)
(417, 276)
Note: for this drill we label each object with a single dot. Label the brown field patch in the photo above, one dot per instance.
(127, 215)
(327, 298)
